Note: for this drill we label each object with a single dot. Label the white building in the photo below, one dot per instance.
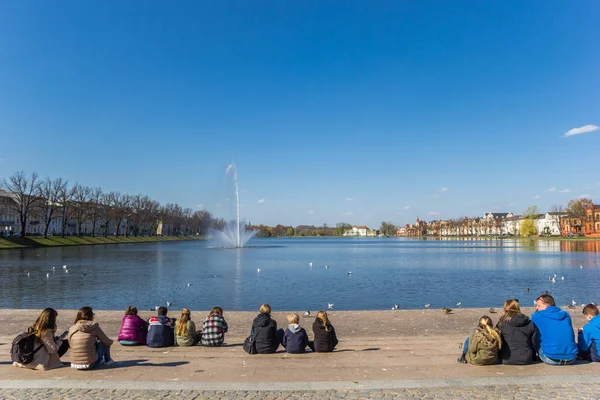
(549, 224)
(361, 231)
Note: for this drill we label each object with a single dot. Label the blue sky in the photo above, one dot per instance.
(338, 111)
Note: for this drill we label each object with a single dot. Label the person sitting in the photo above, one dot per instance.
(265, 333)
(214, 328)
(48, 348)
(185, 330)
(90, 347)
(481, 348)
(324, 334)
(133, 329)
(295, 338)
(517, 333)
(555, 340)
(589, 335)
(161, 330)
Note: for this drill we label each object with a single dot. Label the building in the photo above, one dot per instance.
(591, 220)
(358, 231)
(549, 224)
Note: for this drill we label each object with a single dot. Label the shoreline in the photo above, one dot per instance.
(37, 242)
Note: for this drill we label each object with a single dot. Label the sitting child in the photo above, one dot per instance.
(185, 330)
(214, 328)
(483, 346)
(589, 335)
(295, 338)
(161, 331)
(133, 328)
(325, 337)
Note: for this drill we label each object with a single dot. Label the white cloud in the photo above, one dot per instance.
(200, 205)
(432, 213)
(407, 207)
(565, 191)
(537, 196)
(436, 196)
(261, 201)
(582, 196)
(310, 212)
(551, 190)
(349, 199)
(347, 214)
(581, 130)
(444, 189)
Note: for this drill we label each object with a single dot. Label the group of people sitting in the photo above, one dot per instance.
(547, 336)
(90, 347)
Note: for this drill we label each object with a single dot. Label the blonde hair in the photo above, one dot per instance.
(265, 309)
(181, 328)
(45, 322)
(510, 309)
(216, 310)
(322, 316)
(293, 318)
(486, 323)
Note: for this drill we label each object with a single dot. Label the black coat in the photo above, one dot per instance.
(518, 337)
(325, 341)
(264, 329)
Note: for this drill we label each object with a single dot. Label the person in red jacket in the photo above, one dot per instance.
(133, 329)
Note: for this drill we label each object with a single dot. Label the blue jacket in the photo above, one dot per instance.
(555, 333)
(161, 332)
(295, 339)
(589, 338)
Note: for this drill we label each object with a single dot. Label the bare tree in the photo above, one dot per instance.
(557, 208)
(48, 193)
(119, 209)
(95, 206)
(81, 199)
(65, 199)
(25, 194)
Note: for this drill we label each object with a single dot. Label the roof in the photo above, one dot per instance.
(361, 227)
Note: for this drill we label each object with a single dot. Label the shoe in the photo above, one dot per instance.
(462, 359)
(109, 363)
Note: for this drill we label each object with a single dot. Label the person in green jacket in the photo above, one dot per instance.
(482, 347)
(185, 330)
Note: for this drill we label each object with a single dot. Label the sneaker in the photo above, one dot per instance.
(109, 363)
(462, 359)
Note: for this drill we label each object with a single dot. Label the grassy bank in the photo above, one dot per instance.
(54, 241)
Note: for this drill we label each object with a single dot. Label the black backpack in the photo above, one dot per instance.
(22, 350)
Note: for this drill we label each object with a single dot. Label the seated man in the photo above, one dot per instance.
(589, 335)
(555, 342)
(161, 331)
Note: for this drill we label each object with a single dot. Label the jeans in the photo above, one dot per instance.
(103, 355)
(466, 347)
(550, 361)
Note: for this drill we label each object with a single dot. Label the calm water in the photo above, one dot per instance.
(384, 272)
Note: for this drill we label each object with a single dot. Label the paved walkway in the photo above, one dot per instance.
(556, 387)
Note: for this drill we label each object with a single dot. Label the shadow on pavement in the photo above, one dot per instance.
(145, 363)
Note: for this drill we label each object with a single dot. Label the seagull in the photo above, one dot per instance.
(446, 310)
(258, 269)
(458, 304)
(553, 280)
(396, 307)
(65, 266)
(156, 308)
(527, 289)
(310, 264)
(169, 304)
(53, 268)
(428, 305)
(349, 272)
(327, 267)
(581, 267)
(28, 274)
(562, 278)
(48, 275)
(189, 284)
(66, 271)
(306, 314)
(573, 302)
(492, 311)
(330, 306)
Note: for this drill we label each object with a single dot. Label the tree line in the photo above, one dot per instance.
(45, 200)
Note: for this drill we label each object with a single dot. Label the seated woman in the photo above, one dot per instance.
(517, 333)
(214, 328)
(324, 334)
(482, 347)
(264, 331)
(185, 330)
(48, 348)
(90, 347)
(133, 328)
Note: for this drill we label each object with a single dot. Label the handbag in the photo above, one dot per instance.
(250, 343)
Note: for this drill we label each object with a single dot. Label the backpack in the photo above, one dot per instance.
(22, 350)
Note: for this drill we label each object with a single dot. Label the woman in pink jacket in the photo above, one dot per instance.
(133, 329)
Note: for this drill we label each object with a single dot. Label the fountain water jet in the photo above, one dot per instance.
(234, 234)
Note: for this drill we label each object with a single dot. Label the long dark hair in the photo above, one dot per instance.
(131, 310)
(46, 321)
(84, 314)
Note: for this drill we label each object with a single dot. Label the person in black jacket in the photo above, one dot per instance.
(295, 338)
(324, 333)
(264, 330)
(518, 334)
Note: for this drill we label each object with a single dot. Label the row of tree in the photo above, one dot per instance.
(35, 199)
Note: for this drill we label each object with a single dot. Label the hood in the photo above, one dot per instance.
(518, 320)
(294, 328)
(262, 320)
(86, 326)
(555, 313)
(161, 319)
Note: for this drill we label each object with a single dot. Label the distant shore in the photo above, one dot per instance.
(59, 241)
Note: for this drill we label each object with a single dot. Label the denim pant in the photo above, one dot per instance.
(550, 361)
(466, 347)
(103, 355)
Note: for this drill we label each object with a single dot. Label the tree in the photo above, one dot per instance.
(340, 228)
(388, 229)
(48, 193)
(81, 198)
(528, 227)
(25, 195)
(65, 200)
(95, 207)
(532, 212)
(576, 207)
(557, 208)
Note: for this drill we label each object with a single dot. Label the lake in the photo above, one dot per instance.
(384, 272)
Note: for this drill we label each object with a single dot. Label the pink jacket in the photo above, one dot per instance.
(133, 329)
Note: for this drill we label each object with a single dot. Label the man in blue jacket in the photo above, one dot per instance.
(556, 340)
(161, 330)
(589, 336)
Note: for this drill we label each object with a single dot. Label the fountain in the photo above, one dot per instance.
(235, 234)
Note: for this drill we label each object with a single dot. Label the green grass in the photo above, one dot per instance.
(54, 241)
